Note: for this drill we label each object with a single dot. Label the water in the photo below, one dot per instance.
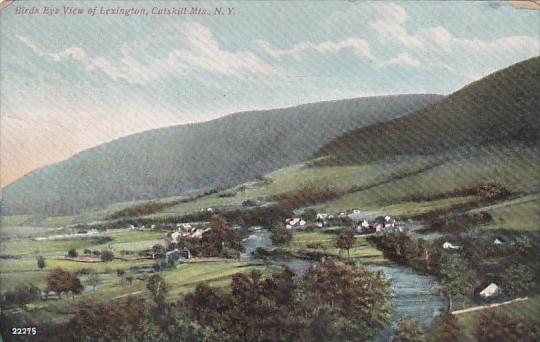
(413, 295)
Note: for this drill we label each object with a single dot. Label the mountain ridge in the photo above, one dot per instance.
(172, 160)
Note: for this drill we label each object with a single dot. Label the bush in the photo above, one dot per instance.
(22, 295)
(84, 271)
(280, 234)
(41, 262)
(408, 330)
(107, 255)
(72, 253)
(492, 326)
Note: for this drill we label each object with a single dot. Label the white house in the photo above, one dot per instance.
(491, 291)
(321, 216)
(498, 241)
(448, 245)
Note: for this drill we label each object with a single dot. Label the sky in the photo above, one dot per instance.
(70, 82)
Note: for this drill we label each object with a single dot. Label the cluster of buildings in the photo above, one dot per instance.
(141, 228)
(294, 222)
(185, 231)
(380, 224)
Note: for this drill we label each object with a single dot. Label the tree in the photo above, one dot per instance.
(213, 241)
(107, 255)
(72, 253)
(158, 288)
(158, 250)
(359, 297)
(94, 280)
(408, 331)
(445, 328)
(21, 295)
(41, 262)
(119, 321)
(220, 240)
(62, 281)
(129, 279)
(280, 234)
(518, 279)
(458, 278)
(345, 240)
(492, 326)
(255, 309)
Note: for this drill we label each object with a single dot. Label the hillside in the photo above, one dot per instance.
(175, 160)
(500, 108)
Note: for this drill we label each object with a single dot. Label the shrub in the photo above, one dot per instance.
(107, 255)
(41, 262)
(72, 253)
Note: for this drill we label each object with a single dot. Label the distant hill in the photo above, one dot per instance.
(175, 160)
(500, 108)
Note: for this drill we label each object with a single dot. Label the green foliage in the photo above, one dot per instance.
(106, 255)
(518, 279)
(280, 234)
(408, 330)
(157, 287)
(458, 278)
(61, 281)
(445, 328)
(21, 295)
(345, 240)
(72, 253)
(41, 262)
(332, 300)
(94, 280)
(492, 326)
(107, 322)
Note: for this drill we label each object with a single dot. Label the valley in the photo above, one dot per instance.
(430, 205)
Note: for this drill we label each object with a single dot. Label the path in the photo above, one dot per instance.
(489, 306)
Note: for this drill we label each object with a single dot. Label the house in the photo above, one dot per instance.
(184, 226)
(319, 224)
(379, 227)
(491, 291)
(448, 245)
(296, 221)
(176, 255)
(365, 224)
(498, 241)
(321, 216)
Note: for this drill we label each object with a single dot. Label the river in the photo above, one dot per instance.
(413, 295)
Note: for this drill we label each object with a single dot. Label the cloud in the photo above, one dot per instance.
(193, 48)
(402, 59)
(391, 26)
(437, 47)
(358, 46)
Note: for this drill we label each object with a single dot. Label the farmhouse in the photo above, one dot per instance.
(294, 222)
(491, 291)
(448, 245)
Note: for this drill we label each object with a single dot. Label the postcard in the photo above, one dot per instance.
(270, 171)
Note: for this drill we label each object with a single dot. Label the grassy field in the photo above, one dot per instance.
(181, 279)
(14, 220)
(522, 214)
(121, 240)
(520, 310)
(362, 251)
